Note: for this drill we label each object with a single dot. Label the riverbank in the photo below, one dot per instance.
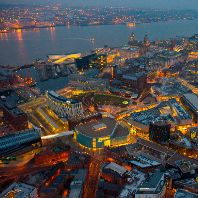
(85, 25)
(24, 47)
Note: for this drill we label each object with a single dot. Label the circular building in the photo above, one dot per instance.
(101, 132)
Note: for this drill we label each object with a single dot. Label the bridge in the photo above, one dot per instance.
(62, 134)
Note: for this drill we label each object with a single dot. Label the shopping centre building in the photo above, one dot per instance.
(99, 133)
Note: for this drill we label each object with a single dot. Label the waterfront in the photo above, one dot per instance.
(54, 84)
(116, 121)
(23, 47)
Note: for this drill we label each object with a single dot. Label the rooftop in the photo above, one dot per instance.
(17, 190)
(192, 99)
(116, 168)
(144, 162)
(185, 194)
(185, 164)
(10, 105)
(18, 138)
(101, 128)
(54, 95)
(170, 111)
(133, 76)
(136, 178)
(152, 182)
(156, 147)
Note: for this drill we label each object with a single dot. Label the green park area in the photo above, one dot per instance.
(104, 99)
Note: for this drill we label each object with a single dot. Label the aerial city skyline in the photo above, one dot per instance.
(99, 99)
(164, 4)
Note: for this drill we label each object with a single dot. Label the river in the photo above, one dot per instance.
(23, 47)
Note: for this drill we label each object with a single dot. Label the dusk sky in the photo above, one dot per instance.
(175, 4)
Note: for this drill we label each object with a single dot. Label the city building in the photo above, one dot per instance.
(76, 186)
(189, 185)
(57, 153)
(107, 189)
(114, 173)
(185, 194)
(114, 71)
(19, 140)
(187, 167)
(136, 81)
(152, 150)
(45, 116)
(129, 52)
(146, 44)
(193, 133)
(159, 131)
(67, 58)
(55, 185)
(86, 83)
(45, 70)
(132, 40)
(193, 55)
(165, 59)
(14, 116)
(101, 132)
(153, 187)
(167, 88)
(170, 111)
(50, 70)
(143, 162)
(20, 190)
(63, 107)
(84, 62)
(78, 160)
(191, 101)
(136, 177)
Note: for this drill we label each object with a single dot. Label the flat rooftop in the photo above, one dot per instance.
(18, 190)
(133, 76)
(10, 105)
(185, 194)
(185, 164)
(152, 182)
(144, 162)
(120, 131)
(116, 168)
(155, 146)
(192, 99)
(102, 128)
(170, 111)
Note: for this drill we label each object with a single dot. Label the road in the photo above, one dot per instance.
(61, 134)
(13, 174)
(91, 183)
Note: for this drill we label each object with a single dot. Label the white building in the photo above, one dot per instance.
(19, 190)
(152, 187)
(62, 106)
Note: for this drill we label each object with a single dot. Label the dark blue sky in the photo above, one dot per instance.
(174, 4)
